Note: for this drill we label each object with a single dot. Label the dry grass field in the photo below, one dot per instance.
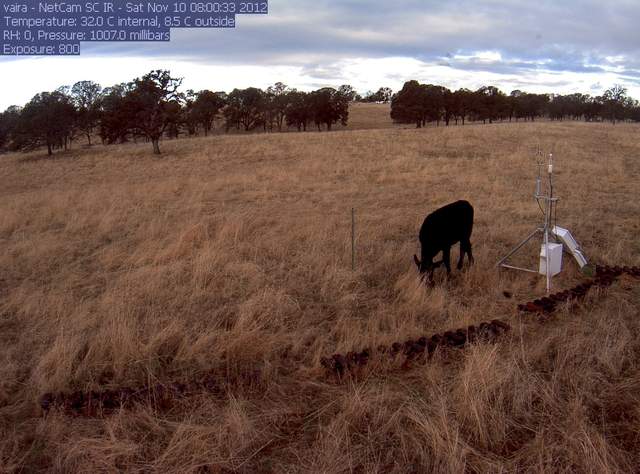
(371, 116)
(231, 255)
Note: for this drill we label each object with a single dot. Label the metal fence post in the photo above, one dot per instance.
(353, 239)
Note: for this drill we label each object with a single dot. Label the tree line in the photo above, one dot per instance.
(427, 103)
(153, 107)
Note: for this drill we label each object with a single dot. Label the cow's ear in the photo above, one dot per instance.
(416, 260)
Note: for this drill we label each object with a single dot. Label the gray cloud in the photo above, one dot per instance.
(543, 36)
(300, 30)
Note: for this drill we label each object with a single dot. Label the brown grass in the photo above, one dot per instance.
(372, 116)
(232, 255)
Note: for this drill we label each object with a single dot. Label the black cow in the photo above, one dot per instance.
(440, 230)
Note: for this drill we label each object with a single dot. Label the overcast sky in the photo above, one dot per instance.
(538, 46)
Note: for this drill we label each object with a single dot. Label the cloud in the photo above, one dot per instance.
(295, 30)
(540, 45)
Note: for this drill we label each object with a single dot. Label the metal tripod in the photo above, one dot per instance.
(547, 235)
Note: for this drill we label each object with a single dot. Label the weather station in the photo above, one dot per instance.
(554, 238)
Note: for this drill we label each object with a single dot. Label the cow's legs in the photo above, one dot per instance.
(462, 252)
(465, 247)
(446, 258)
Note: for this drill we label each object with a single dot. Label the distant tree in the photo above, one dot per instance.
(628, 108)
(329, 106)
(523, 105)
(490, 104)
(615, 100)
(340, 103)
(557, 108)
(572, 106)
(86, 96)
(47, 120)
(515, 105)
(205, 108)
(433, 103)
(407, 105)
(8, 122)
(177, 121)
(368, 97)
(462, 104)
(593, 109)
(277, 96)
(70, 135)
(536, 105)
(575, 105)
(448, 105)
(150, 105)
(298, 112)
(634, 111)
(384, 94)
(245, 107)
(189, 117)
(347, 92)
(115, 118)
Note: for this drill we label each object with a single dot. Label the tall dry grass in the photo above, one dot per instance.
(232, 255)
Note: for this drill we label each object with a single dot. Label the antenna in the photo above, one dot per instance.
(539, 162)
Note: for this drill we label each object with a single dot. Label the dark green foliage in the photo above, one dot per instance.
(86, 96)
(203, 110)
(407, 105)
(299, 110)
(245, 108)
(277, 102)
(152, 105)
(114, 122)
(8, 122)
(47, 120)
(329, 106)
(421, 103)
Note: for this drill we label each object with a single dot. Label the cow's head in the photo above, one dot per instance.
(426, 267)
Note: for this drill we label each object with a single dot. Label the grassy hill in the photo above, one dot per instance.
(231, 255)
